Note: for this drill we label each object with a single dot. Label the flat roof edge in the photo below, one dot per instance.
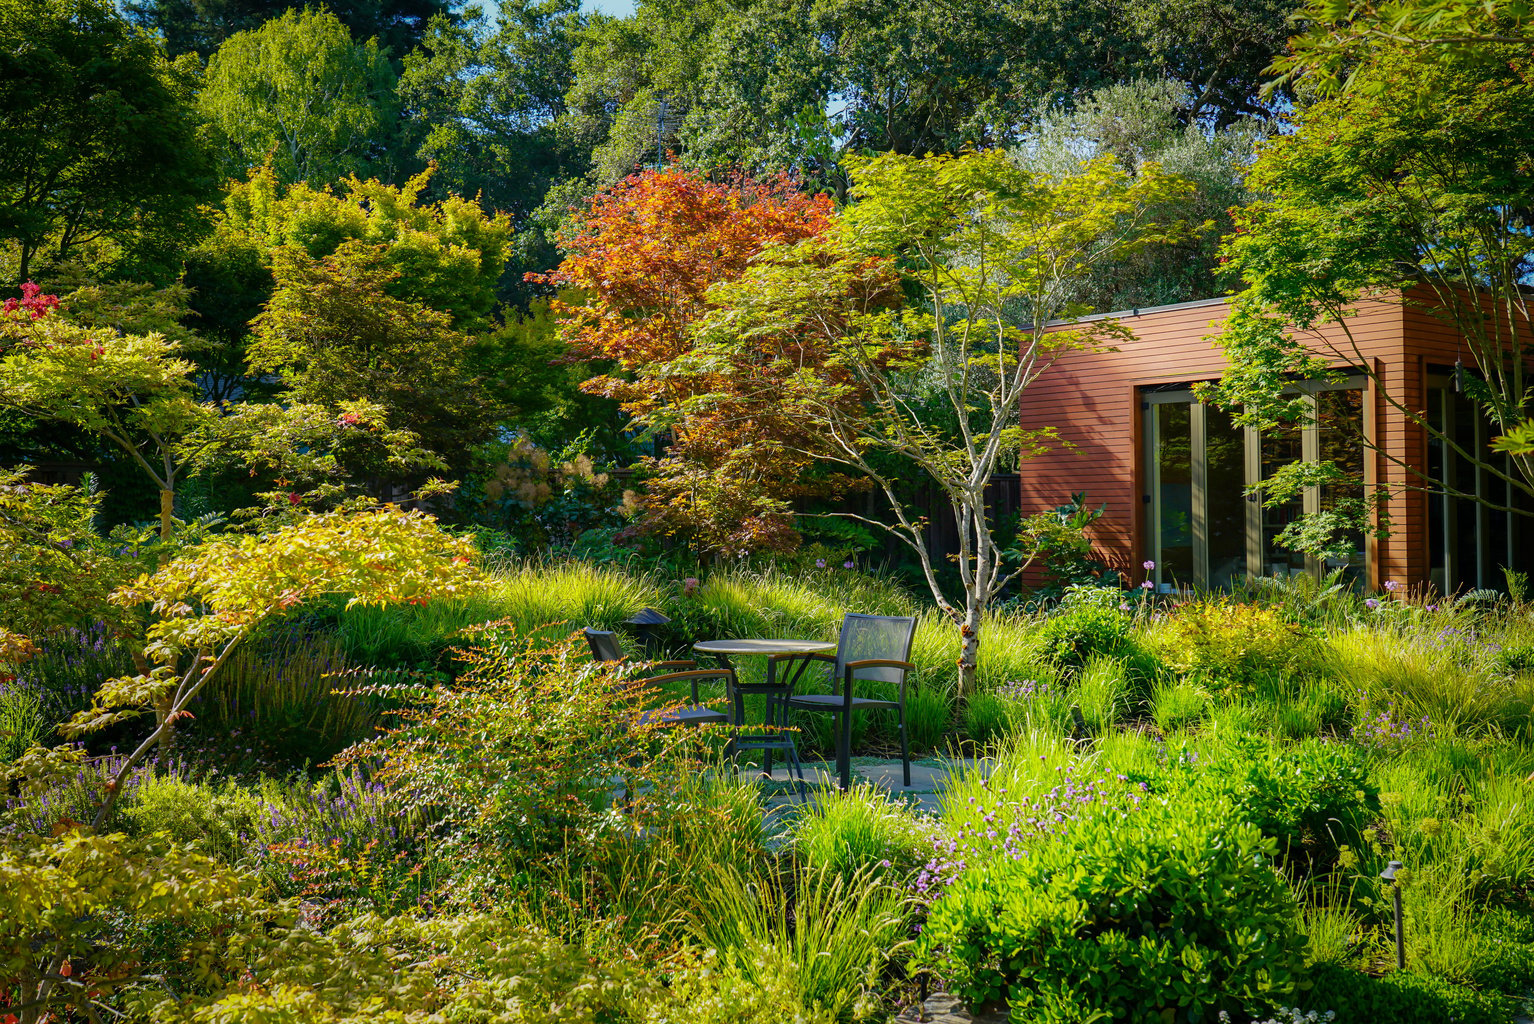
(1220, 300)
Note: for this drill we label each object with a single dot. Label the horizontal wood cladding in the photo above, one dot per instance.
(1092, 399)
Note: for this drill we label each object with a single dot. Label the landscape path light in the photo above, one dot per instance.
(1389, 874)
(644, 621)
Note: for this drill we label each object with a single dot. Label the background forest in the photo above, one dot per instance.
(221, 173)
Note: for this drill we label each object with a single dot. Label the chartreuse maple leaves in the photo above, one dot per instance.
(205, 602)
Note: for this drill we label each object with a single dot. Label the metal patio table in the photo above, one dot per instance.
(777, 692)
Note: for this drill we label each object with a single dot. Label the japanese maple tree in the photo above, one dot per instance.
(934, 388)
(644, 254)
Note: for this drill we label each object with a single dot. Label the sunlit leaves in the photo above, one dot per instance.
(644, 255)
(1332, 53)
(221, 590)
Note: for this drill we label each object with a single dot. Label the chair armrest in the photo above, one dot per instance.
(674, 664)
(693, 677)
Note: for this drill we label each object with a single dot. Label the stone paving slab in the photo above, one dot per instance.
(928, 779)
(945, 1009)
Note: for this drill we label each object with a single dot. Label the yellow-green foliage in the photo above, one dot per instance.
(1412, 674)
(1236, 645)
(130, 910)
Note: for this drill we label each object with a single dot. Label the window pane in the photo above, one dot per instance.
(1225, 449)
(1280, 447)
(1174, 443)
(1340, 433)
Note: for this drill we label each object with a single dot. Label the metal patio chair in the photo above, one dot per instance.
(871, 648)
(604, 647)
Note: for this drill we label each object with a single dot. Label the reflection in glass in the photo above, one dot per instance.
(1174, 464)
(1225, 483)
(1340, 435)
(1437, 503)
(1280, 447)
(1466, 539)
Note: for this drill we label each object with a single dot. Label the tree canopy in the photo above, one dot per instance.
(301, 93)
(1424, 199)
(99, 146)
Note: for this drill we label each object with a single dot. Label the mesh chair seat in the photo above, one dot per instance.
(686, 716)
(832, 702)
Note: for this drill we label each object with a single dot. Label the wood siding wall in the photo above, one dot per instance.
(1093, 399)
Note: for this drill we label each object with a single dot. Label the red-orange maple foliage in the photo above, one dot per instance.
(644, 254)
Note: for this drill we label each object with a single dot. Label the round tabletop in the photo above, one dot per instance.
(741, 648)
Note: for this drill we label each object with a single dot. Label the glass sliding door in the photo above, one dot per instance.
(1340, 440)
(1225, 501)
(1202, 528)
(1280, 447)
(1473, 535)
(1174, 494)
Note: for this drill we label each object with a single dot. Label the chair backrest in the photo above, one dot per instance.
(604, 645)
(886, 637)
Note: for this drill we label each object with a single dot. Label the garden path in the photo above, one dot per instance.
(928, 777)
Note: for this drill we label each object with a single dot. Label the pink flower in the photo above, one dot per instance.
(1147, 565)
(1147, 585)
(1391, 585)
(1371, 604)
(690, 585)
(1124, 606)
(849, 564)
(820, 563)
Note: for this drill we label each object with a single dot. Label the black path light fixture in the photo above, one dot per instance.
(1393, 869)
(644, 622)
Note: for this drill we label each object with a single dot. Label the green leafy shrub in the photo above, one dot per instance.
(1400, 997)
(1080, 633)
(1170, 910)
(1312, 799)
(518, 761)
(1503, 954)
(1237, 645)
(219, 820)
(129, 917)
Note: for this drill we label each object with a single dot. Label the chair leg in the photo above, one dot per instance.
(797, 768)
(774, 712)
(844, 750)
(905, 746)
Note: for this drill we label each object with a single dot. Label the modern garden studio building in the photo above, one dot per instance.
(1173, 472)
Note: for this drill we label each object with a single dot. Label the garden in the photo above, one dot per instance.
(1168, 812)
(450, 461)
